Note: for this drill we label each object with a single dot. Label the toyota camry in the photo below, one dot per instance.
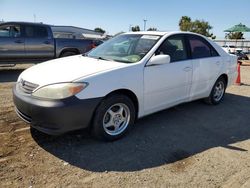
(130, 76)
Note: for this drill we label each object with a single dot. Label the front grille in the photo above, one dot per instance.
(27, 87)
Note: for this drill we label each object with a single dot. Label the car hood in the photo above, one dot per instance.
(66, 69)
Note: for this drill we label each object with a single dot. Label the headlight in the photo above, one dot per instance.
(59, 91)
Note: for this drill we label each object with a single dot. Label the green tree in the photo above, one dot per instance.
(198, 26)
(152, 29)
(185, 23)
(136, 28)
(235, 35)
(99, 30)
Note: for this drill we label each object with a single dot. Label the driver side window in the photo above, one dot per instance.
(8, 31)
(174, 47)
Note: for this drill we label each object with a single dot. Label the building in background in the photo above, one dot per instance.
(76, 32)
(243, 44)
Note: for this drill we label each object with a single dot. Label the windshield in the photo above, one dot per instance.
(129, 48)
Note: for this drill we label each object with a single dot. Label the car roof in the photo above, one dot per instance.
(162, 33)
(24, 23)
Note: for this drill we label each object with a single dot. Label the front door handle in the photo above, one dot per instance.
(187, 69)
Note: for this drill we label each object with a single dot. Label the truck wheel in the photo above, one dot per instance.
(113, 118)
(217, 93)
(65, 54)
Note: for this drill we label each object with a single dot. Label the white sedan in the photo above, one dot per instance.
(125, 78)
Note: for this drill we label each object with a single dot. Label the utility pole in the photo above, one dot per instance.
(34, 15)
(145, 21)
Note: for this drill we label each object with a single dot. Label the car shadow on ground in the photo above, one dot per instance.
(9, 75)
(165, 137)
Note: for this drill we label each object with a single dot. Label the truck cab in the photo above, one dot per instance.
(25, 42)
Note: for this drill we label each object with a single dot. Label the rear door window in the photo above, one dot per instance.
(200, 48)
(36, 32)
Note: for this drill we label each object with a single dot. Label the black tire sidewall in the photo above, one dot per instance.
(66, 54)
(97, 126)
(212, 92)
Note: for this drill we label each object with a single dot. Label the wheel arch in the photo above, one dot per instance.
(210, 100)
(224, 76)
(75, 50)
(129, 94)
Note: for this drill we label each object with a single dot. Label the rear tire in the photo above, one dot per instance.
(113, 118)
(217, 93)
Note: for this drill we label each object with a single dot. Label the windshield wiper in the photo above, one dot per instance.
(102, 58)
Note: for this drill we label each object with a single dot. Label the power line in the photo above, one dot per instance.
(34, 15)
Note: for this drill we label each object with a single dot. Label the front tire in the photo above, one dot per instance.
(113, 118)
(217, 93)
(66, 54)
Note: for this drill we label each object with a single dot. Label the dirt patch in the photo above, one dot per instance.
(191, 145)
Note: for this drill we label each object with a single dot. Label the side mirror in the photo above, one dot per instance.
(159, 60)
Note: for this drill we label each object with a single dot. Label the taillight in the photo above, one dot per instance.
(90, 46)
(93, 45)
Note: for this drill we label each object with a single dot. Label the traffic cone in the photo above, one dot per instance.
(238, 81)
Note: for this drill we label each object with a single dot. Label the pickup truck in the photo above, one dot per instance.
(23, 42)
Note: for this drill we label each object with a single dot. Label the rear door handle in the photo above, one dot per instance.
(217, 62)
(18, 41)
(187, 69)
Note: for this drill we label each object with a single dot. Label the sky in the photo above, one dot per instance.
(118, 15)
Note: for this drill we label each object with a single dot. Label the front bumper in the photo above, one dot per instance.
(55, 116)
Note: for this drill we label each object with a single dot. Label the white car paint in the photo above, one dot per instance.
(67, 69)
(156, 87)
(166, 85)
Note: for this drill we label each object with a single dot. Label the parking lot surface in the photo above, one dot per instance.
(190, 145)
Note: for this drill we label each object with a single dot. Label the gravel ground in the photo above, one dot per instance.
(190, 145)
